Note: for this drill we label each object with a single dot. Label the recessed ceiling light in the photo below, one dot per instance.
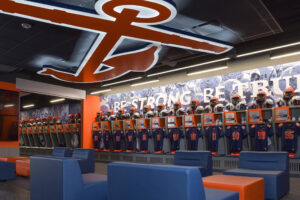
(26, 25)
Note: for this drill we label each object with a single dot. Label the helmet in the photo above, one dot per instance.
(160, 107)
(77, 115)
(199, 110)
(261, 96)
(31, 120)
(241, 106)
(213, 101)
(288, 93)
(71, 116)
(163, 113)
(100, 113)
(56, 118)
(133, 110)
(177, 105)
(146, 108)
(136, 115)
(235, 99)
(110, 112)
(38, 119)
(194, 103)
(121, 111)
(49, 118)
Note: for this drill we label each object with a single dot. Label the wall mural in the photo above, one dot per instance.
(273, 80)
(115, 21)
(60, 110)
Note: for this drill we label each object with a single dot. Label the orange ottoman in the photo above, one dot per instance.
(249, 188)
(13, 159)
(23, 168)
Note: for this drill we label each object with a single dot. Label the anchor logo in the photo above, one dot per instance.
(117, 20)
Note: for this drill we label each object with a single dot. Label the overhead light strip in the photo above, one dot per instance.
(285, 55)
(8, 105)
(124, 81)
(208, 70)
(188, 67)
(28, 106)
(57, 100)
(144, 83)
(269, 49)
(101, 91)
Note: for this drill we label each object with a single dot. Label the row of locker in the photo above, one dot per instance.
(58, 135)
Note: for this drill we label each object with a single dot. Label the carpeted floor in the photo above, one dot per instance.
(19, 189)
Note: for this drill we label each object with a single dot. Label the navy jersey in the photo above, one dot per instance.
(118, 136)
(144, 136)
(130, 139)
(175, 134)
(236, 135)
(97, 139)
(213, 133)
(261, 132)
(289, 136)
(193, 134)
(106, 139)
(158, 138)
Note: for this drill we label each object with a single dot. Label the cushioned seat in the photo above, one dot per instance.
(200, 159)
(159, 182)
(62, 152)
(213, 194)
(272, 166)
(61, 179)
(7, 171)
(86, 159)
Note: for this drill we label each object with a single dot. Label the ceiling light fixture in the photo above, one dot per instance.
(269, 49)
(207, 71)
(144, 83)
(188, 67)
(124, 81)
(28, 106)
(101, 91)
(285, 55)
(57, 100)
(8, 105)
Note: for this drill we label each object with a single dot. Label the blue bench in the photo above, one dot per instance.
(200, 159)
(160, 182)
(272, 166)
(61, 179)
(86, 159)
(62, 152)
(7, 171)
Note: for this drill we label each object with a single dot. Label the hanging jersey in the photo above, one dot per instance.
(175, 134)
(97, 139)
(144, 136)
(130, 139)
(118, 136)
(193, 134)
(213, 133)
(106, 139)
(158, 138)
(261, 132)
(289, 136)
(236, 135)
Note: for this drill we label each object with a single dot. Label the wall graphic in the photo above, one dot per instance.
(60, 110)
(273, 80)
